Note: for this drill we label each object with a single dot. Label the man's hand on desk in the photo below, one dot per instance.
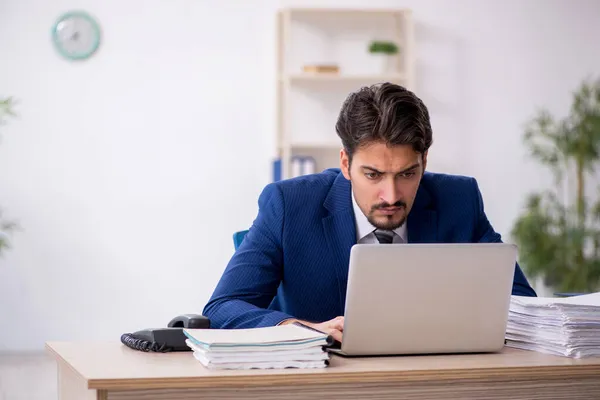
(333, 327)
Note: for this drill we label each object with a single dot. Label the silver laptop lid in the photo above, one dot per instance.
(428, 298)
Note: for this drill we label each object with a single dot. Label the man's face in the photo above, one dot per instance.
(384, 181)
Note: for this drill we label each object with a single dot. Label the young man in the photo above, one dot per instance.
(293, 263)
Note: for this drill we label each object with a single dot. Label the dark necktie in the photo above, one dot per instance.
(384, 237)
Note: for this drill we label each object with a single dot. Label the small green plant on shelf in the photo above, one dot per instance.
(6, 227)
(384, 56)
(558, 232)
(383, 47)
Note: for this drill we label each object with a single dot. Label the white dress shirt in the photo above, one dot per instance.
(364, 229)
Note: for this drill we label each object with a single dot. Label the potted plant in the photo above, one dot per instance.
(385, 55)
(558, 233)
(6, 227)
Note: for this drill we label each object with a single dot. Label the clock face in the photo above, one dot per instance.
(76, 35)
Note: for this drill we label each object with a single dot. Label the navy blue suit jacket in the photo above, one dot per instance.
(293, 262)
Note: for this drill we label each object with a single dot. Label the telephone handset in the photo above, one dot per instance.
(167, 339)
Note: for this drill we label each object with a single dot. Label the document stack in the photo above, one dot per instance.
(568, 327)
(285, 346)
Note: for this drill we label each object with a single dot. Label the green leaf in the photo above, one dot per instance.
(6, 109)
(385, 47)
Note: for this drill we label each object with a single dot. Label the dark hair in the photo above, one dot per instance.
(386, 113)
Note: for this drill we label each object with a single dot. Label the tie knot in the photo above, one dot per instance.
(385, 237)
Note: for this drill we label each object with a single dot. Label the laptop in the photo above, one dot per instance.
(427, 298)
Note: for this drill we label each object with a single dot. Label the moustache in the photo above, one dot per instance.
(397, 204)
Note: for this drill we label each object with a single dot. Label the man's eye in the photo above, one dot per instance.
(371, 175)
(408, 175)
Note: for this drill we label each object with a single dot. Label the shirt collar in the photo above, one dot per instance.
(364, 227)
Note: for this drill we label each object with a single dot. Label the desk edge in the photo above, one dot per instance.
(366, 377)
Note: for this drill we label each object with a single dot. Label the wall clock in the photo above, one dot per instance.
(76, 35)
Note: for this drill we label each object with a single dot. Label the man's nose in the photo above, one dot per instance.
(390, 192)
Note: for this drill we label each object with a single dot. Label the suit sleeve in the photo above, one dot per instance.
(484, 233)
(252, 276)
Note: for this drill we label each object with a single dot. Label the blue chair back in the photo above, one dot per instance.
(238, 237)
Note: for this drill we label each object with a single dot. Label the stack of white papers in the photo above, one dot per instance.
(285, 346)
(567, 327)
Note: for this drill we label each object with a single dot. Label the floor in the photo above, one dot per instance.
(27, 377)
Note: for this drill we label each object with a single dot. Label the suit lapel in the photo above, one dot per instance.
(340, 230)
(422, 219)
(422, 226)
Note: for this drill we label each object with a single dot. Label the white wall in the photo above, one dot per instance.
(130, 172)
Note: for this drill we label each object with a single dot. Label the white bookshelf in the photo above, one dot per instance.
(308, 103)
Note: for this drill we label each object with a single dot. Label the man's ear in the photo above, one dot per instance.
(425, 160)
(345, 163)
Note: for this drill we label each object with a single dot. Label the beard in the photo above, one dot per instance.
(388, 222)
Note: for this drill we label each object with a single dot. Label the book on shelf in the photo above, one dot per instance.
(300, 165)
(284, 346)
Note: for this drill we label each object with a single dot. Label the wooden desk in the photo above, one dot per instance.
(111, 371)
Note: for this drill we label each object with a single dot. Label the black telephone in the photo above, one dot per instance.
(167, 339)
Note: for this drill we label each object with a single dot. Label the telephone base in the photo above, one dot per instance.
(162, 340)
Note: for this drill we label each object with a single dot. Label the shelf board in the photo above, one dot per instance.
(346, 11)
(316, 146)
(301, 78)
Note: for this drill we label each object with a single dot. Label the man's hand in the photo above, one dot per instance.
(333, 327)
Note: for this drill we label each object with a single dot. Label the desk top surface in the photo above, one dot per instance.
(113, 366)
